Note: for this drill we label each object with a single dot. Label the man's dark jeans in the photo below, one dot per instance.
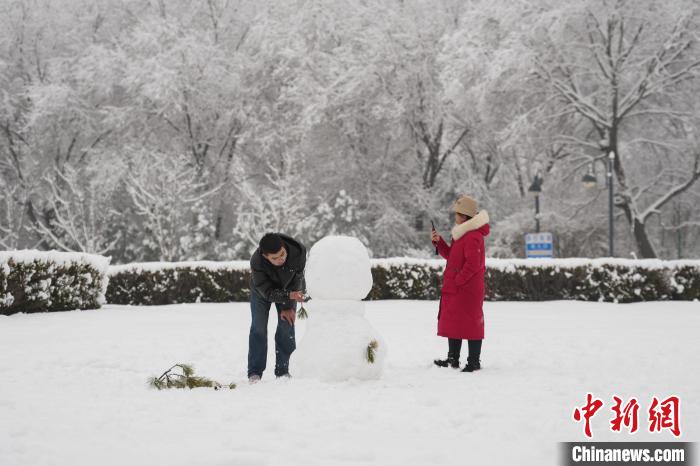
(285, 343)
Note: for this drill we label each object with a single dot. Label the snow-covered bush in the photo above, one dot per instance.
(158, 283)
(39, 281)
(685, 280)
(403, 278)
(610, 280)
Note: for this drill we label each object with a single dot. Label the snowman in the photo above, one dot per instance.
(339, 343)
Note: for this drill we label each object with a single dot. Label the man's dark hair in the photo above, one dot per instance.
(270, 243)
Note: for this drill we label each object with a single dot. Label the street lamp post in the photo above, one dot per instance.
(611, 223)
(535, 189)
(589, 181)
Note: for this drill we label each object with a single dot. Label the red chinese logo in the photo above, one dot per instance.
(665, 415)
(662, 414)
(627, 416)
(592, 406)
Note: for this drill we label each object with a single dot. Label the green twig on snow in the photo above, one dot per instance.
(184, 379)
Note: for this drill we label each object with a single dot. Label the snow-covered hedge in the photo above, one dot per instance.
(685, 281)
(406, 278)
(155, 283)
(615, 280)
(38, 281)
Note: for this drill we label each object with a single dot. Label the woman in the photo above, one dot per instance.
(461, 315)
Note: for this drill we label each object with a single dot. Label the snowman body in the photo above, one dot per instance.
(338, 335)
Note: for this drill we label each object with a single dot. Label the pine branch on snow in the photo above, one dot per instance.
(184, 379)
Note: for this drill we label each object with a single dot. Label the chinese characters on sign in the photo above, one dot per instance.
(539, 245)
(663, 414)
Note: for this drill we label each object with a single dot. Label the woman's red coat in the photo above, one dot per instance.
(461, 313)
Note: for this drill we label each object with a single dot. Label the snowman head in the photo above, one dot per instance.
(338, 268)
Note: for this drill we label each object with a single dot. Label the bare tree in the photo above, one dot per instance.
(275, 199)
(13, 215)
(613, 69)
(172, 203)
(79, 212)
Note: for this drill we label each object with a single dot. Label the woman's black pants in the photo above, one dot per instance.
(455, 348)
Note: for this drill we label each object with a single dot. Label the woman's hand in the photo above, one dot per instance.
(435, 237)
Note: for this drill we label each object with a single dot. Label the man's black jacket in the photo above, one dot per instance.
(274, 283)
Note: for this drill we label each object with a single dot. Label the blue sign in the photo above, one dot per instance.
(539, 245)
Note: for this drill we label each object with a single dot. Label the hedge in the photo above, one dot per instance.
(178, 282)
(610, 280)
(41, 281)
(685, 282)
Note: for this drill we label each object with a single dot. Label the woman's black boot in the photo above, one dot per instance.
(455, 347)
(473, 360)
(451, 361)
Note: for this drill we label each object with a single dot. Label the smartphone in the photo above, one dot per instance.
(432, 224)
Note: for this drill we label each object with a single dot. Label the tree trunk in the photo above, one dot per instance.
(223, 201)
(644, 246)
(646, 249)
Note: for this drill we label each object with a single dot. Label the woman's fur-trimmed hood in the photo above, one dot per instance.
(474, 223)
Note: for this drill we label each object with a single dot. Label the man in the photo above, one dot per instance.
(277, 275)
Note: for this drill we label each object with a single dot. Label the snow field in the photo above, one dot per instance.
(73, 389)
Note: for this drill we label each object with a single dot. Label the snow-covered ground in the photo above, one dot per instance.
(73, 387)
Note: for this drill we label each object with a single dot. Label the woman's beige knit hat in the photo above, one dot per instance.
(466, 205)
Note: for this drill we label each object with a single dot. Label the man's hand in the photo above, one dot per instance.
(289, 315)
(435, 236)
(297, 296)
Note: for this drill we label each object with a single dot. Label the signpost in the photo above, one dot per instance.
(539, 245)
